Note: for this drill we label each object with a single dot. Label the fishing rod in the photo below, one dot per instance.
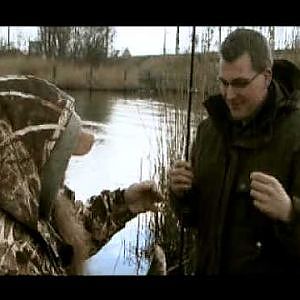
(186, 154)
(190, 96)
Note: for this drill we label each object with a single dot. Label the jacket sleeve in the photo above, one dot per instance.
(103, 216)
(289, 233)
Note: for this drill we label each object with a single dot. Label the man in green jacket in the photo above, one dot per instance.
(43, 231)
(241, 189)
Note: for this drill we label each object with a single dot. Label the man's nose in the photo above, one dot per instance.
(230, 92)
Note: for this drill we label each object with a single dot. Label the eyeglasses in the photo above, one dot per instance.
(238, 83)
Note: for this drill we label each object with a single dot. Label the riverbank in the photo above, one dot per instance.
(170, 72)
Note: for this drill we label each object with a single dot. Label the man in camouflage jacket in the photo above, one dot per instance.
(43, 231)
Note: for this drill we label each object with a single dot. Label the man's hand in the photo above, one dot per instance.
(270, 197)
(142, 197)
(180, 178)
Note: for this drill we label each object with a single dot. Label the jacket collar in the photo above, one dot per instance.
(259, 128)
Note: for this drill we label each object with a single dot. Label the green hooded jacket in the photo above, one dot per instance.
(233, 236)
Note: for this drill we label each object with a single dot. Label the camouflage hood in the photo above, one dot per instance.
(38, 129)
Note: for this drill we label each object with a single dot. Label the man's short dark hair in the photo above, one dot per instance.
(242, 41)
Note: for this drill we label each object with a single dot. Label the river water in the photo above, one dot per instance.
(126, 128)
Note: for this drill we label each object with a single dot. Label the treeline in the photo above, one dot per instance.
(88, 43)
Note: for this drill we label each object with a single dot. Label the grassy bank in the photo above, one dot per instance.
(158, 73)
(113, 74)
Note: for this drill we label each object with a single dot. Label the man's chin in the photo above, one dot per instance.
(237, 116)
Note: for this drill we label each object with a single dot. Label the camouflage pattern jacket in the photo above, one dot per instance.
(33, 115)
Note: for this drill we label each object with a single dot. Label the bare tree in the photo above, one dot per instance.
(55, 40)
(95, 43)
(297, 38)
(164, 46)
(177, 41)
(207, 37)
(8, 37)
(272, 37)
(75, 43)
(90, 43)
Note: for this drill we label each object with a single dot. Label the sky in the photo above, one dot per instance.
(149, 40)
(145, 40)
(27, 33)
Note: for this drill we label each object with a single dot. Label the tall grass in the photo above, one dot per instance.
(171, 141)
(157, 73)
(137, 73)
(163, 226)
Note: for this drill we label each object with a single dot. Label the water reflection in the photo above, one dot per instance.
(93, 106)
(125, 129)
